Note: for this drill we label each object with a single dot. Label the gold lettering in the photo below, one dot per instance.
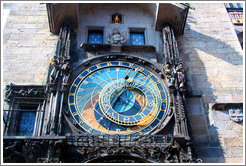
(81, 77)
(150, 75)
(142, 115)
(71, 94)
(108, 70)
(126, 119)
(81, 90)
(75, 113)
(76, 85)
(163, 100)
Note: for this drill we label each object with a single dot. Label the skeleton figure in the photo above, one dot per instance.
(116, 38)
(180, 74)
(65, 71)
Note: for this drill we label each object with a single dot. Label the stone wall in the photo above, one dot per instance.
(209, 47)
(28, 45)
(214, 58)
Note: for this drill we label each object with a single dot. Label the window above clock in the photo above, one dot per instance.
(137, 36)
(95, 36)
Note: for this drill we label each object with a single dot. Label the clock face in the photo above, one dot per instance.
(118, 98)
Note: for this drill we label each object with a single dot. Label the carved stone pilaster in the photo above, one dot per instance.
(33, 151)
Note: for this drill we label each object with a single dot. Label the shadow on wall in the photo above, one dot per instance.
(208, 59)
(213, 44)
(226, 132)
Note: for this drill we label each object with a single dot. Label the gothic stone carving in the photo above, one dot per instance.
(116, 38)
(33, 151)
(24, 91)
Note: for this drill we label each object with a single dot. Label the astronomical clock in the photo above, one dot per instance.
(118, 97)
(117, 105)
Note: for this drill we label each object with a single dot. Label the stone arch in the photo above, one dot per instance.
(119, 158)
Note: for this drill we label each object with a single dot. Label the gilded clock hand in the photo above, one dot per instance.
(126, 75)
(136, 71)
(128, 79)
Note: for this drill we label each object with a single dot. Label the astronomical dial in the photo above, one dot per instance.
(118, 98)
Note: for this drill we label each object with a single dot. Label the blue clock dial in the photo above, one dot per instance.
(118, 98)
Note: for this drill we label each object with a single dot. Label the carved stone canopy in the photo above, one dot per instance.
(171, 13)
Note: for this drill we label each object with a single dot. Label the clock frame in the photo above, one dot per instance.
(93, 111)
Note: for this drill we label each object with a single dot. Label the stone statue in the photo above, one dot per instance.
(65, 71)
(116, 38)
(169, 73)
(55, 70)
(180, 71)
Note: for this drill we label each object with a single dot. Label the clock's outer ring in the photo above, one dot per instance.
(153, 68)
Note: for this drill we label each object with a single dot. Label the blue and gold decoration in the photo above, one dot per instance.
(137, 39)
(118, 98)
(95, 37)
(236, 114)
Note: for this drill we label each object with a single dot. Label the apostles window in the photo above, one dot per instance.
(137, 37)
(95, 36)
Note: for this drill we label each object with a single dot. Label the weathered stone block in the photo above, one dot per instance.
(208, 99)
(194, 109)
(220, 116)
(227, 134)
(214, 152)
(234, 160)
(199, 140)
(197, 120)
(233, 152)
(199, 130)
(234, 142)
